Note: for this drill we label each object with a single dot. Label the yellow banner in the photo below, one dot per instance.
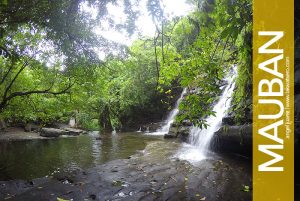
(273, 100)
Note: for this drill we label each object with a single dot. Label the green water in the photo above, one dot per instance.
(38, 158)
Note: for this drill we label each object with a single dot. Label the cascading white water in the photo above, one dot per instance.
(172, 114)
(140, 130)
(200, 138)
(171, 117)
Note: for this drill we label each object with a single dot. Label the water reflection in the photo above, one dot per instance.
(37, 158)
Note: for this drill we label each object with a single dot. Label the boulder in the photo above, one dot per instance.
(151, 127)
(169, 136)
(178, 130)
(59, 125)
(184, 131)
(73, 131)
(52, 132)
(173, 131)
(228, 120)
(237, 139)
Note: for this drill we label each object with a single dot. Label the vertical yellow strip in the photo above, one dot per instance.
(273, 33)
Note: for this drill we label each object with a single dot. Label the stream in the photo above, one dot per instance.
(127, 166)
(37, 158)
(87, 169)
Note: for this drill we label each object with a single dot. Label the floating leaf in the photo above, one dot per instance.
(246, 189)
(61, 199)
(117, 183)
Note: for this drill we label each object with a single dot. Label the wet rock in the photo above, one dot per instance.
(58, 125)
(52, 132)
(173, 131)
(181, 131)
(184, 131)
(55, 132)
(229, 120)
(93, 197)
(187, 123)
(151, 127)
(73, 131)
(157, 178)
(169, 136)
(237, 139)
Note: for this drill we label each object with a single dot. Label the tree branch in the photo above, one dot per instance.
(7, 73)
(14, 79)
(46, 91)
(5, 50)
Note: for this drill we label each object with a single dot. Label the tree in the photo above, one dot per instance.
(203, 45)
(63, 26)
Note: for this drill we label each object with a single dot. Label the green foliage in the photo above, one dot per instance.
(50, 71)
(242, 98)
(204, 45)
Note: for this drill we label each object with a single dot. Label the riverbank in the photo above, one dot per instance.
(152, 174)
(16, 134)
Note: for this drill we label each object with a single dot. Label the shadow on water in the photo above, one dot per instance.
(38, 158)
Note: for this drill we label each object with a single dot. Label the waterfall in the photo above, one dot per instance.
(199, 139)
(140, 130)
(171, 117)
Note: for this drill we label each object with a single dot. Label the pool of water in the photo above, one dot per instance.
(38, 158)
